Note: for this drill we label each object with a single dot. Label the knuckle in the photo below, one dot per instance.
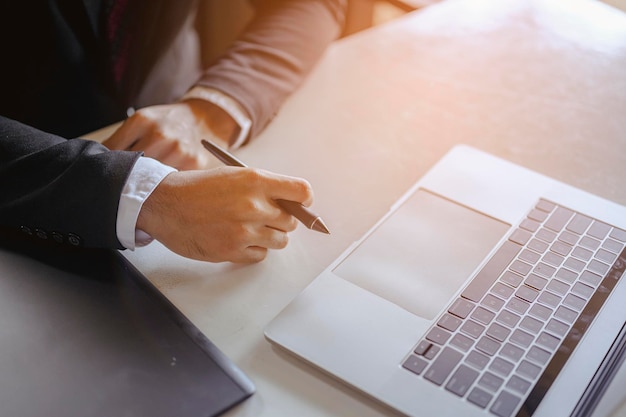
(252, 207)
(282, 241)
(304, 188)
(255, 176)
(291, 224)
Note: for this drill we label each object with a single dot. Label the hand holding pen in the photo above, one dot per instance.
(303, 214)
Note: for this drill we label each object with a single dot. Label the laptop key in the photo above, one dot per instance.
(488, 345)
(546, 235)
(538, 355)
(520, 236)
(529, 256)
(559, 219)
(473, 329)
(521, 338)
(566, 275)
(517, 305)
(491, 271)
(589, 243)
(544, 270)
(530, 225)
(483, 315)
(613, 246)
(538, 246)
(441, 368)
(531, 324)
(618, 234)
(585, 291)
(479, 397)
(568, 237)
(415, 364)
(438, 335)
(574, 264)
(518, 384)
(493, 302)
(512, 352)
(461, 380)
(557, 327)
(507, 318)
(576, 303)
(545, 205)
(558, 287)
(461, 308)
(566, 314)
(537, 215)
(502, 291)
(505, 404)
(528, 370)
(422, 347)
(498, 332)
(549, 299)
(449, 322)
(561, 248)
(579, 224)
(590, 278)
(582, 253)
(606, 256)
(462, 342)
(540, 312)
(432, 352)
(598, 267)
(501, 367)
(526, 293)
(477, 359)
(535, 281)
(599, 230)
(490, 381)
(548, 341)
(512, 279)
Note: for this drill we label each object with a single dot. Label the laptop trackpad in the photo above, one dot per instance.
(420, 256)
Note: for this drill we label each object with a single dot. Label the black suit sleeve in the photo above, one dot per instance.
(59, 189)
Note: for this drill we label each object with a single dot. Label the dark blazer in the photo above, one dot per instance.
(57, 83)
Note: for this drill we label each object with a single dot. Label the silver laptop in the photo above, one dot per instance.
(487, 290)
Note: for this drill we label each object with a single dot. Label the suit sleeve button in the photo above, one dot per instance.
(41, 234)
(26, 230)
(57, 237)
(73, 239)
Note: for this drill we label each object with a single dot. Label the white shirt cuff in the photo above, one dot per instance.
(229, 105)
(143, 179)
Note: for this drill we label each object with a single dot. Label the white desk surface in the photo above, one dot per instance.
(541, 83)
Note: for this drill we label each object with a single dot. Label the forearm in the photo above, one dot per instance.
(275, 53)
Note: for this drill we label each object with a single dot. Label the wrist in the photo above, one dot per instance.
(228, 107)
(221, 125)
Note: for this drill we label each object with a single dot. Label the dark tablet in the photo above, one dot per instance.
(83, 333)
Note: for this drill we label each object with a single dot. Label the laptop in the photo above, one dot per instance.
(83, 333)
(486, 290)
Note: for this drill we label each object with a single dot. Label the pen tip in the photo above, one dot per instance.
(319, 226)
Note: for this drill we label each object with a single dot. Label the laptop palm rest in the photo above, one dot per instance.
(406, 259)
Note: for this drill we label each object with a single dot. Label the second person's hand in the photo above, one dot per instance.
(171, 133)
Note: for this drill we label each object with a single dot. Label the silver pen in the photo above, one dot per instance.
(306, 216)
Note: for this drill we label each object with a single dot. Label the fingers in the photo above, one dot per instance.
(125, 136)
(224, 214)
(168, 133)
(280, 187)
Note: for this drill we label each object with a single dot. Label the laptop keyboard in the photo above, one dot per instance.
(503, 341)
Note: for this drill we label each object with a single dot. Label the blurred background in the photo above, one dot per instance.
(234, 15)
